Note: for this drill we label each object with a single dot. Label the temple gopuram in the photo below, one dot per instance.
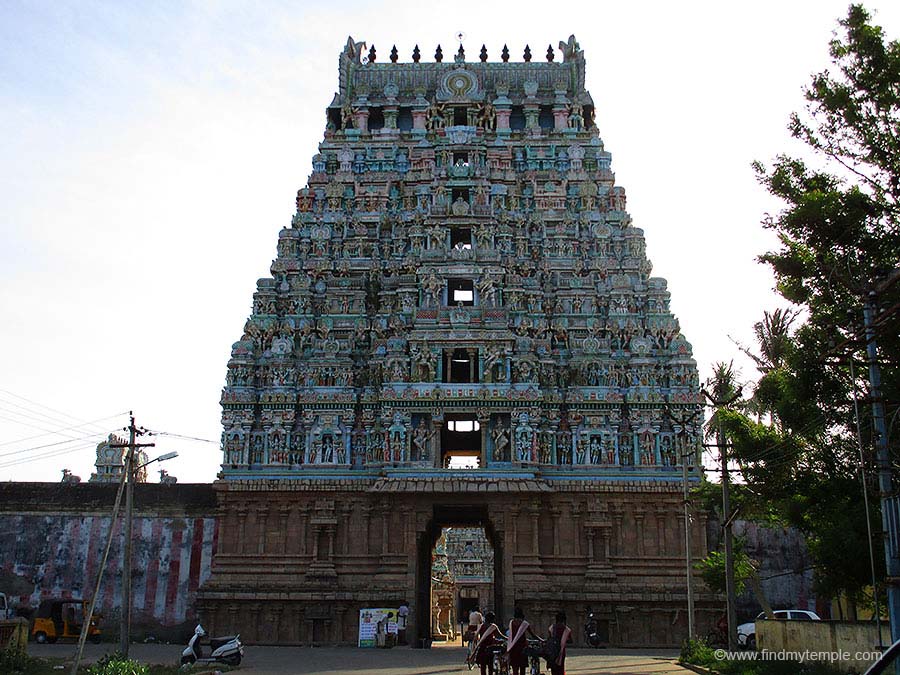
(460, 329)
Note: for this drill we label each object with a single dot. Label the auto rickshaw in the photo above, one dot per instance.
(57, 618)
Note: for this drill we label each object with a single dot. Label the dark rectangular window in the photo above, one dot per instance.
(405, 119)
(376, 119)
(460, 237)
(517, 118)
(461, 365)
(460, 116)
(545, 117)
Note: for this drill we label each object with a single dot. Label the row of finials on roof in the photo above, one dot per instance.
(461, 54)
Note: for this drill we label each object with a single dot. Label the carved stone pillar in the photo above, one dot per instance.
(241, 511)
(316, 530)
(385, 511)
(346, 513)
(367, 522)
(639, 532)
(554, 515)
(617, 516)
(534, 510)
(262, 527)
(302, 528)
(577, 513)
(284, 512)
(662, 544)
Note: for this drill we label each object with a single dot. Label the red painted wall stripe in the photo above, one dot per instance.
(196, 553)
(174, 572)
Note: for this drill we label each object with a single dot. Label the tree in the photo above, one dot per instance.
(839, 236)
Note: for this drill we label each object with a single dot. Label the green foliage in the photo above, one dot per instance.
(839, 234)
(116, 664)
(712, 568)
(698, 653)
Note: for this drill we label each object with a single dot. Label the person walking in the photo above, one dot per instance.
(558, 639)
(515, 647)
(475, 621)
(489, 635)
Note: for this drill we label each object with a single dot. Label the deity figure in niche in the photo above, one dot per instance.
(257, 450)
(564, 447)
(595, 450)
(420, 438)
(609, 448)
(397, 439)
(580, 449)
(327, 456)
(525, 440)
(500, 437)
(234, 448)
(295, 456)
(495, 364)
(667, 451)
(435, 116)
(545, 446)
(647, 448)
(626, 448)
(487, 290)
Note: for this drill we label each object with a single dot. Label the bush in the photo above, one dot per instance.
(116, 664)
(14, 662)
(698, 653)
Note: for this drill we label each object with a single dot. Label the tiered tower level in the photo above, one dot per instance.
(461, 307)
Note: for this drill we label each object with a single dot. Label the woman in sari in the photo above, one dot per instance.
(489, 635)
(518, 628)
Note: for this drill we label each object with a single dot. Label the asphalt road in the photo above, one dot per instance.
(446, 660)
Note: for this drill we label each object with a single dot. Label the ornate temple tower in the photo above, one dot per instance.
(460, 328)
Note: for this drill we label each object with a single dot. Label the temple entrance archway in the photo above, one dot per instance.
(444, 516)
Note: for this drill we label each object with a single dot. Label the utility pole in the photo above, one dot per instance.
(885, 487)
(730, 595)
(85, 627)
(129, 468)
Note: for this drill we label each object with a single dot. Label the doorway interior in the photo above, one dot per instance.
(458, 568)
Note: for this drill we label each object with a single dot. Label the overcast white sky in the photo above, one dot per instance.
(150, 152)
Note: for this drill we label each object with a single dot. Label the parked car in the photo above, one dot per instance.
(58, 618)
(746, 632)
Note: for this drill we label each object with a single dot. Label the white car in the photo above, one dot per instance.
(746, 632)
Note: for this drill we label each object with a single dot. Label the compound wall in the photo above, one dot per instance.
(54, 536)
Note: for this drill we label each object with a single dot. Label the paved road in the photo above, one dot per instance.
(400, 661)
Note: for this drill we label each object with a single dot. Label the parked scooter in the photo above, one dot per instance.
(227, 650)
(591, 631)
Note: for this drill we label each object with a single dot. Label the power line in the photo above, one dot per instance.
(48, 445)
(47, 455)
(190, 438)
(72, 428)
(41, 405)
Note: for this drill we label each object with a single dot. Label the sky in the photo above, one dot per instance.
(151, 152)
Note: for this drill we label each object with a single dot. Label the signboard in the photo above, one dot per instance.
(368, 624)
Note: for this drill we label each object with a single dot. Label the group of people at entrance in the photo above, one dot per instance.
(486, 639)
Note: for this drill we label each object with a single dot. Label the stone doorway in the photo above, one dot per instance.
(437, 603)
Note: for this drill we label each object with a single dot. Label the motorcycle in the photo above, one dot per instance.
(227, 650)
(591, 634)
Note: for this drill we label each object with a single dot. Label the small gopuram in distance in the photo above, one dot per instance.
(460, 329)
